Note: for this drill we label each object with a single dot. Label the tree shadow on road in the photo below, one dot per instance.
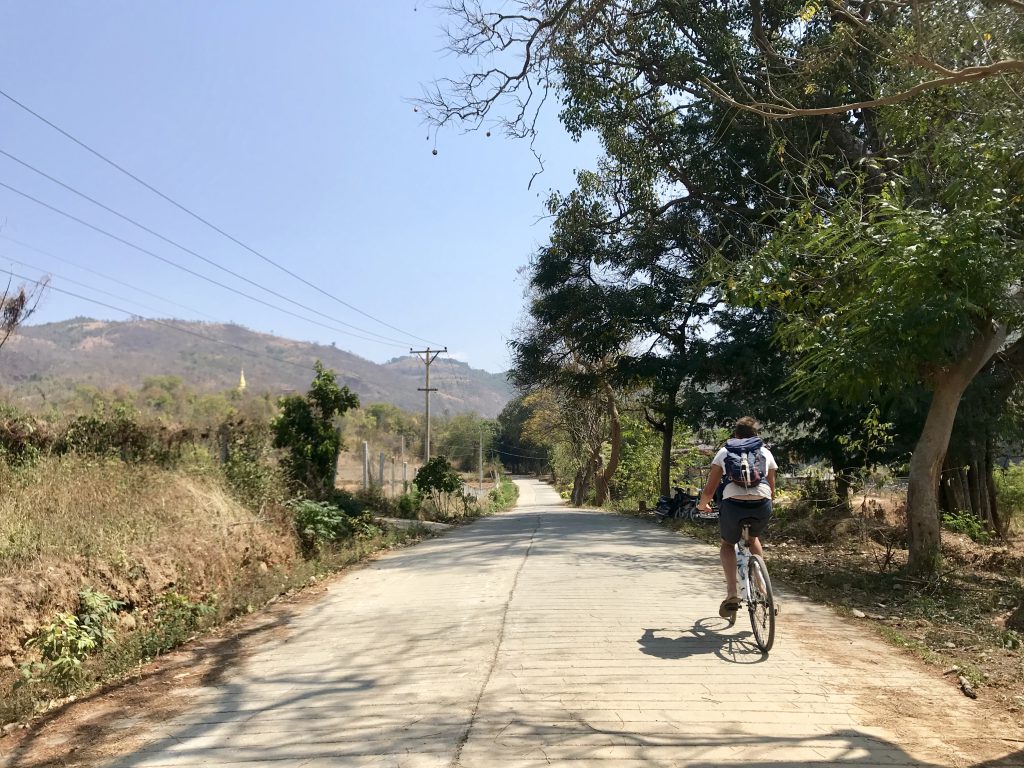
(704, 637)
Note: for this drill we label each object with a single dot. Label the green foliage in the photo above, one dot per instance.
(353, 504)
(250, 474)
(1010, 491)
(68, 640)
(438, 480)
(175, 619)
(118, 432)
(305, 429)
(319, 523)
(438, 476)
(459, 439)
(22, 437)
(504, 495)
(638, 475)
(967, 523)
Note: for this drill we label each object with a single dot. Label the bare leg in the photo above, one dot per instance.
(727, 553)
(755, 546)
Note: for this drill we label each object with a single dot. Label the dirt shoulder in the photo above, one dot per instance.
(109, 721)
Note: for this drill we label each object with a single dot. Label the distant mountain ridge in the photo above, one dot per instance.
(111, 354)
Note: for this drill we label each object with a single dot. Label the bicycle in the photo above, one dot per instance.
(756, 591)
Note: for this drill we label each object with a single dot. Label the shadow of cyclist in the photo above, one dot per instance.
(704, 637)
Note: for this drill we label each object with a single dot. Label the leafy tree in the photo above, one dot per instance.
(305, 428)
(915, 285)
(460, 437)
(439, 480)
(775, 59)
(514, 449)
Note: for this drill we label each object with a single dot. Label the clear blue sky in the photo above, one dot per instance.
(287, 125)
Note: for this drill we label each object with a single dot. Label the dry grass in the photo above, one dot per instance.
(65, 508)
(130, 531)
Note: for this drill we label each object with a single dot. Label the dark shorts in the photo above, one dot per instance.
(732, 512)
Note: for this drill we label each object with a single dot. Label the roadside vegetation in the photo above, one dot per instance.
(141, 519)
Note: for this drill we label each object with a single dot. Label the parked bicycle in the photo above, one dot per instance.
(755, 591)
(682, 506)
(676, 506)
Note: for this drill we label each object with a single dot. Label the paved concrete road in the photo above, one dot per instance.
(548, 636)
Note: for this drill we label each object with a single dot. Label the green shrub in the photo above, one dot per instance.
(504, 495)
(305, 429)
(175, 619)
(963, 521)
(1010, 492)
(68, 640)
(318, 523)
(409, 504)
(248, 469)
(438, 480)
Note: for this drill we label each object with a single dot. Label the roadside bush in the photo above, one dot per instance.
(22, 437)
(68, 640)
(409, 504)
(120, 434)
(318, 523)
(963, 521)
(504, 495)
(439, 481)
(175, 619)
(252, 476)
(1010, 492)
(305, 429)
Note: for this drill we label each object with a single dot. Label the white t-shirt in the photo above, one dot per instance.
(735, 491)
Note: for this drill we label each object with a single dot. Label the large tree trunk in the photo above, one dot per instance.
(615, 424)
(923, 524)
(665, 470)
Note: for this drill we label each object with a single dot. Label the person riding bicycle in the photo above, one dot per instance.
(747, 470)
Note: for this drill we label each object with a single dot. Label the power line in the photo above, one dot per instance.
(80, 284)
(199, 218)
(41, 252)
(187, 250)
(165, 324)
(501, 452)
(164, 259)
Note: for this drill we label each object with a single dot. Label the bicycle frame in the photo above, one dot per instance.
(742, 565)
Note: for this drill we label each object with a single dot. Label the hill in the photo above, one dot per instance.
(44, 360)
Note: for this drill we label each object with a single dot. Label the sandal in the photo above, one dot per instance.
(729, 607)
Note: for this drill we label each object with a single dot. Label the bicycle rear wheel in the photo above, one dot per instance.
(761, 604)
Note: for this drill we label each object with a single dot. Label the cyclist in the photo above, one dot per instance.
(749, 497)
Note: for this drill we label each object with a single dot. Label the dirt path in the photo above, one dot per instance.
(545, 636)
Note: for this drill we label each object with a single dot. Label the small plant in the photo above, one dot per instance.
(68, 640)
(318, 522)
(95, 610)
(175, 620)
(962, 521)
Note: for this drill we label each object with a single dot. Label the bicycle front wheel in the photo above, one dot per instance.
(761, 604)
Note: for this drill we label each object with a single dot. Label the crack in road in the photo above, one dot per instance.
(457, 757)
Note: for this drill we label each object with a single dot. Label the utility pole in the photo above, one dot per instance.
(428, 356)
(480, 460)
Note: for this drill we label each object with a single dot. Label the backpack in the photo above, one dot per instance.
(745, 465)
